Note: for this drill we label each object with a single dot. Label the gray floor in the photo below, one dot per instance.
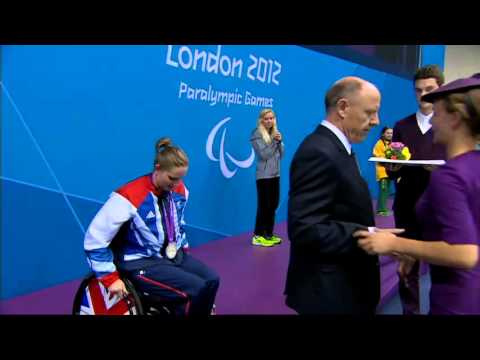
(394, 307)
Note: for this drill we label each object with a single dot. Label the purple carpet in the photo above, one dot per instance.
(252, 279)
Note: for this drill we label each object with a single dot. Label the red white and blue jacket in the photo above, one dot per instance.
(135, 207)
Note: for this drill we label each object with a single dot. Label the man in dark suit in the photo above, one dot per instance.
(328, 201)
(411, 181)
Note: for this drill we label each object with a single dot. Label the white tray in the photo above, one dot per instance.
(408, 162)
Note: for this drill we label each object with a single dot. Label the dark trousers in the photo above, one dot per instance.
(409, 291)
(186, 282)
(268, 194)
(409, 287)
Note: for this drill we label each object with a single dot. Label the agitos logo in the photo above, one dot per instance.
(222, 154)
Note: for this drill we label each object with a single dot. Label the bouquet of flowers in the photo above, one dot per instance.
(397, 151)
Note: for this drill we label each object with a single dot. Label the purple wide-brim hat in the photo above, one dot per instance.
(456, 86)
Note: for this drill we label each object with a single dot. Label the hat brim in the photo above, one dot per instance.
(457, 86)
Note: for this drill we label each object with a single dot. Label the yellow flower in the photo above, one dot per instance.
(406, 153)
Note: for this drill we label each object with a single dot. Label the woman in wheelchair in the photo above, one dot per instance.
(139, 233)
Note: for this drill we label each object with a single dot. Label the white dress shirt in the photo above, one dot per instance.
(423, 121)
(340, 135)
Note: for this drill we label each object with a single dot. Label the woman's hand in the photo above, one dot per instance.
(405, 266)
(118, 288)
(381, 242)
(392, 167)
(277, 136)
(430, 167)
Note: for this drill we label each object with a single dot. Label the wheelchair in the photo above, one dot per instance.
(93, 298)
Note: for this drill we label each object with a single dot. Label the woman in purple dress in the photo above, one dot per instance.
(449, 209)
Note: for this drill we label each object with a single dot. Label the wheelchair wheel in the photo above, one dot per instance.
(92, 298)
(157, 307)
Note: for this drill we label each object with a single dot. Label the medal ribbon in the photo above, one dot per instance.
(169, 218)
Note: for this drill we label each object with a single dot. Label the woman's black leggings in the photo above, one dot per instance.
(268, 193)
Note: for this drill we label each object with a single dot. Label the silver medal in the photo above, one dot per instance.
(171, 251)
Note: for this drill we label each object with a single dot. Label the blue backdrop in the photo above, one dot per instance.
(79, 121)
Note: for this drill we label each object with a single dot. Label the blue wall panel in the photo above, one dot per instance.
(41, 241)
(433, 54)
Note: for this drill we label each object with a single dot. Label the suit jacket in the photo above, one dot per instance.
(411, 181)
(329, 200)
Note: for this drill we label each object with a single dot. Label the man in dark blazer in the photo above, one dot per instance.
(328, 201)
